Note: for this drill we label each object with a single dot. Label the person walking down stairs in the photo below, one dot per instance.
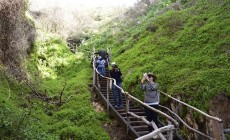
(116, 74)
(104, 55)
(101, 65)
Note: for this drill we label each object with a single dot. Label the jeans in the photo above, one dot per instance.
(152, 116)
(101, 70)
(114, 89)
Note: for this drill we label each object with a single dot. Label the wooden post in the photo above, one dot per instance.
(127, 110)
(107, 96)
(98, 84)
(94, 77)
(156, 132)
(170, 132)
(156, 128)
(223, 137)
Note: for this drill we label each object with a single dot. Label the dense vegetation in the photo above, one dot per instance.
(187, 49)
(38, 114)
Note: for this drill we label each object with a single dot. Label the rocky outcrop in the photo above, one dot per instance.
(17, 34)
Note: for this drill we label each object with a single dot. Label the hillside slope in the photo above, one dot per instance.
(188, 50)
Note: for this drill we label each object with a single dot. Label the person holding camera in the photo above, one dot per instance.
(152, 97)
(116, 74)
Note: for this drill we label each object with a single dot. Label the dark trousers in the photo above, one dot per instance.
(114, 89)
(152, 116)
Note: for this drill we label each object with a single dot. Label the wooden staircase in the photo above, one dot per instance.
(136, 127)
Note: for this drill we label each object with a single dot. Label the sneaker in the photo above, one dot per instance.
(115, 106)
(120, 107)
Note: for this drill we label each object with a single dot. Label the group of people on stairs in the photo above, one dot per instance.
(148, 84)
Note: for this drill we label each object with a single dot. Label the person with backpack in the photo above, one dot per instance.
(152, 97)
(101, 65)
(116, 74)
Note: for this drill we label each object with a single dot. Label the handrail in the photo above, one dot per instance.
(185, 124)
(148, 123)
(203, 113)
(156, 132)
(155, 110)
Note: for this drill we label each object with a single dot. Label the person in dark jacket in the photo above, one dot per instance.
(116, 74)
(152, 97)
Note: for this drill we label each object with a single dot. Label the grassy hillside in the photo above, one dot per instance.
(188, 50)
(38, 113)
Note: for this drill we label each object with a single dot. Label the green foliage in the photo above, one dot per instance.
(12, 118)
(76, 118)
(188, 50)
(51, 69)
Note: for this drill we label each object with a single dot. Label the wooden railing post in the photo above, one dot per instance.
(169, 132)
(94, 77)
(127, 110)
(223, 137)
(108, 96)
(98, 84)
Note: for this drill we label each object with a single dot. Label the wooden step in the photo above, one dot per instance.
(137, 123)
(141, 133)
(131, 118)
(137, 113)
(131, 110)
(141, 128)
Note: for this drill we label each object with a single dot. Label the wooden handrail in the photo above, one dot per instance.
(203, 113)
(156, 132)
(155, 110)
(140, 117)
(185, 124)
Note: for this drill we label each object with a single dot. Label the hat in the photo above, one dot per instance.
(151, 75)
(113, 63)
